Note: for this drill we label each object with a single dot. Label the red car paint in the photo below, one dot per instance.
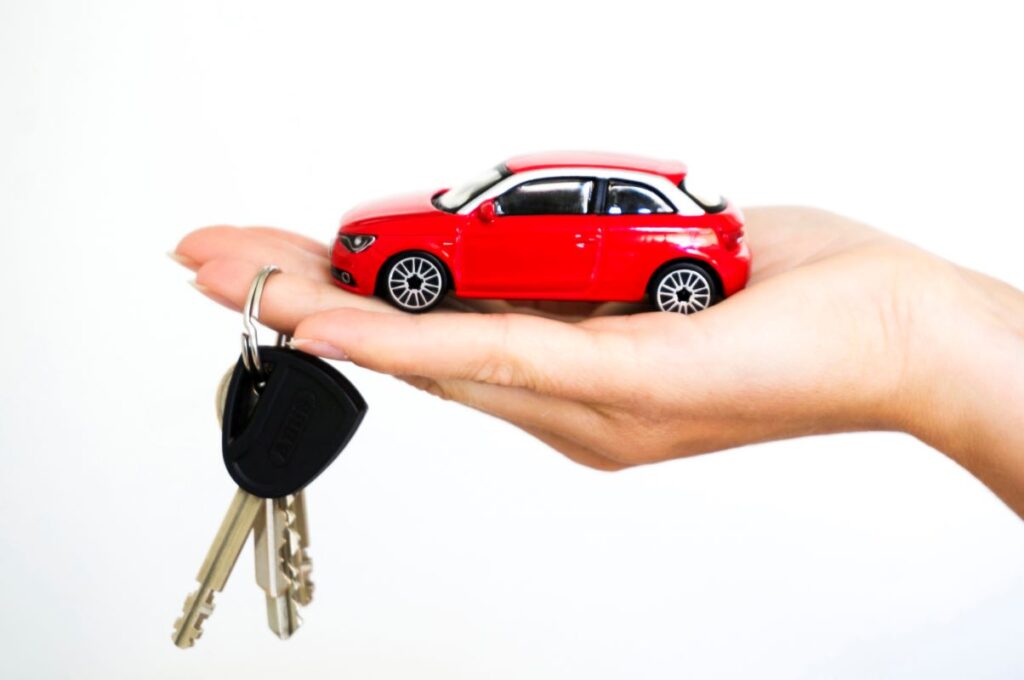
(593, 256)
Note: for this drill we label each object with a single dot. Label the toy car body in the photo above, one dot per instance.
(553, 226)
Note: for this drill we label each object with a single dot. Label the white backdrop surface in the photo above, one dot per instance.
(448, 544)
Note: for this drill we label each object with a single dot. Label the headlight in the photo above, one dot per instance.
(356, 243)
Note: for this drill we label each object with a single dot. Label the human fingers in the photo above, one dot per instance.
(314, 247)
(546, 356)
(287, 299)
(222, 242)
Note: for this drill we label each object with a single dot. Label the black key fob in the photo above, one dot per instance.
(280, 438)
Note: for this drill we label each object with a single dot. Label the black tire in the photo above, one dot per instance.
(683, 288)
(414, 282)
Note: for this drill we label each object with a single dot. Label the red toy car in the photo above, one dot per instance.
(553, 226)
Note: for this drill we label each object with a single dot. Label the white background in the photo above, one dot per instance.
(448, 544)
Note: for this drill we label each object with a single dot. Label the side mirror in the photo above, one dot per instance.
(487, 212)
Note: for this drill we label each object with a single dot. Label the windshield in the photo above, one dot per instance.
(453, 199)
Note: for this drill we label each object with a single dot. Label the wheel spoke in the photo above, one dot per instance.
(421, 271)
(685, 290)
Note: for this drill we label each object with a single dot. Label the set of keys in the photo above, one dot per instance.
(285, 417)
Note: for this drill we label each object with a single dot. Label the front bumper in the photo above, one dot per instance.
(355, 272)
(343, 277)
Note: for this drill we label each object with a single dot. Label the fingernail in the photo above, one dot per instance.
(319, 348)
(183, 260)
(213, 296)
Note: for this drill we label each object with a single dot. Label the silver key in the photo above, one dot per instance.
(304, 565)
(276, 544)
(220, 560)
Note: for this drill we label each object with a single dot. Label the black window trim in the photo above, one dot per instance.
(622, 180)
(600, 196)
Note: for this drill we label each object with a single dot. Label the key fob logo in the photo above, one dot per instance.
(290, 434)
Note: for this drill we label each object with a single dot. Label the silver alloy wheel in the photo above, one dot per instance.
(684, 290)
(415, 282)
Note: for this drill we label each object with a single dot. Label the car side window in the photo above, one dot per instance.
(561, 196)
(633, 198)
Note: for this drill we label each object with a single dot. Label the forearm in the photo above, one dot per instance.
(971, 403)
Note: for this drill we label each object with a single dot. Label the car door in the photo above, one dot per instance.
(634, 221)
(542, 240)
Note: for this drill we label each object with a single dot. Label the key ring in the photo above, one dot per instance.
(251, 314)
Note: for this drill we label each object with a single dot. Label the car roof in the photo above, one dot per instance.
(674, 171)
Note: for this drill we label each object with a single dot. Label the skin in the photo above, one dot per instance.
(841, 328)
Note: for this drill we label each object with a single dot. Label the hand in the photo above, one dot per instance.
(841, 328)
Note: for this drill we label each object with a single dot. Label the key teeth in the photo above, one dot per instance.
(296, 565)
(187, 638)
(304, 586)
(304, 593)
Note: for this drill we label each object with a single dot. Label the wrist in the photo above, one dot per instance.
(968, 379)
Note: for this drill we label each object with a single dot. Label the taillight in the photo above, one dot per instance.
(730, 231)
(731, 239)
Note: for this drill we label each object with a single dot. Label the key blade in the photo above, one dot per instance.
(189, 626)
(274, 541)
(222, 394)
(227, 545)
(303, 563)
(220, 560)
(283, 615)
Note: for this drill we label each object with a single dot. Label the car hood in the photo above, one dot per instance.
(393, 207)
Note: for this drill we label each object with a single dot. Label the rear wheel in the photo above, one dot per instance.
(683, 288)
(414, 282)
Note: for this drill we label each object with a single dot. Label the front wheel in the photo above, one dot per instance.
(684, 288)
(414, 282)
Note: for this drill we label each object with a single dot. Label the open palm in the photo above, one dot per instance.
(817, 342)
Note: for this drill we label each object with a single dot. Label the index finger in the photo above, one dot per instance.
(501, 349)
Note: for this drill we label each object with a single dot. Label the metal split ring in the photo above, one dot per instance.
(250, 315)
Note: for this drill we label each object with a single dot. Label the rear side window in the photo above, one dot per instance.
(709, 200)
(547, 197)
(632, 198)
